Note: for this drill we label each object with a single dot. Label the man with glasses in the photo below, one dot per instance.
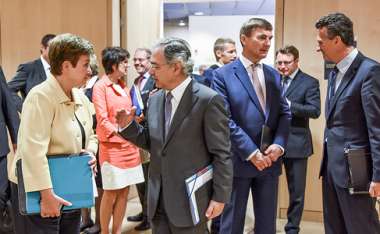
(302, 94)
(224, 52)
(187, 131)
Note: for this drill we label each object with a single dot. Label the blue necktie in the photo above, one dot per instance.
(285, 82)
(135, 101)
(168, 112)
(332, 83)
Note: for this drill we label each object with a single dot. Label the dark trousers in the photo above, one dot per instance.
(4, 183)
(345, 213)
(264, 194)
(295, 169)
(162, 225)
(142, 189)
(67, 223)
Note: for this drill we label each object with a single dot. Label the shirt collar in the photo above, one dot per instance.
(345, 63)
(178, 91)
(60, 94)
(45, 64)
(291, 76)
(146, 75)
(247, 63)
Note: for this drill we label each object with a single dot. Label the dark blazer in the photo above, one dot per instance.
(200, 122)
(8, 117)
(148, 87)
(27, 76)
(208, 74)
(200, 79)
(303, 93)
(352, 121)
(246, 116)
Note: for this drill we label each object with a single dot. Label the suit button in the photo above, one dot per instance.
(163, 154)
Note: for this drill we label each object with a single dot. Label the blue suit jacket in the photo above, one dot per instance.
(246, 116)
(353, 120)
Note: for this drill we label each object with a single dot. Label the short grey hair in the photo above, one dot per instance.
(177, 50)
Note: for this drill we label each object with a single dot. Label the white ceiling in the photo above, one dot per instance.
(174, 11)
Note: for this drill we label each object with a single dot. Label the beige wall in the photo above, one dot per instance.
(24, 22)
(299, 17)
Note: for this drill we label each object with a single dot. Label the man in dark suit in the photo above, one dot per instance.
(302, 94)
(186, 131)
(224, 52)
(352, 122)
(252, 94)
(8, 118)
(31, 73)
(144, 83)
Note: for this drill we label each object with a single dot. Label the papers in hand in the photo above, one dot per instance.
(193, 183)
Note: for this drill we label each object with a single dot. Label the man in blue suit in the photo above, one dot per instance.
(352, 122)
(252, 95)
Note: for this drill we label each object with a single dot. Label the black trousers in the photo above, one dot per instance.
(4, 183)
(296, 169)
(162, 225)
(67, 223)
(345, 213)
(142, 189)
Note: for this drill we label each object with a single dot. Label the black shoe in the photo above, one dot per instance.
(86, 225)
(144, 225)
(136, 218)
(92, 230)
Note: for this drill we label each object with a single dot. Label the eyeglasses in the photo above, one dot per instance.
(286, 63)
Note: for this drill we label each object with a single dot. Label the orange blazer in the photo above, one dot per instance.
(107, 99)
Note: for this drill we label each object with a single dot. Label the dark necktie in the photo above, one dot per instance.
(285, 84)
(168, 112)
(332, 82)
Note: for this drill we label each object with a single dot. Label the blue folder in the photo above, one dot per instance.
(71, 178)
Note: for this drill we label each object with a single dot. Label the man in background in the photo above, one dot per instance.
(302, 94)
(224, 52)
(9, 118)
(31, 73)
(140, 91)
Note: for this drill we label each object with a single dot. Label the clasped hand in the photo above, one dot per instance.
(264, 160)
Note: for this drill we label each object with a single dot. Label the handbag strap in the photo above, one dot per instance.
(82, 132)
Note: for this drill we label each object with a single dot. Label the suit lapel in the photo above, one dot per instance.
(294, 84)
(186, 104)
(351, 72)
(242, 75)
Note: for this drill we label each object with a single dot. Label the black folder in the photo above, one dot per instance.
(266, 138)
(359, 165)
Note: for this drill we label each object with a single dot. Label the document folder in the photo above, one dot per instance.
(71, 177)
(359, 165)
(266, 138)
(193, 183)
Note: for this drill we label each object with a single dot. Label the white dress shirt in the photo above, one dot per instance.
(343, 66)
(46, 66)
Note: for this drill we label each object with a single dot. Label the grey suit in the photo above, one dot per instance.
(304, 95)
(198, 136)
(27, 76)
